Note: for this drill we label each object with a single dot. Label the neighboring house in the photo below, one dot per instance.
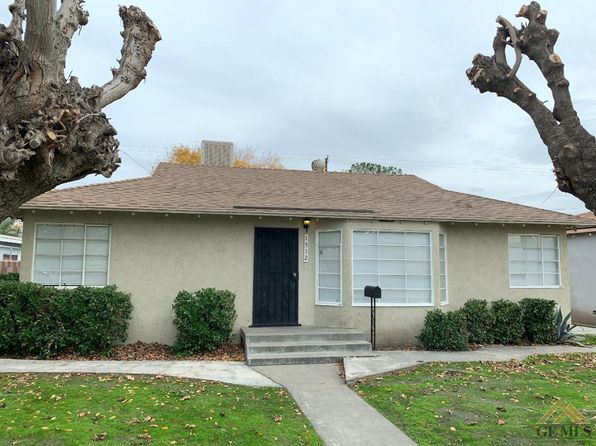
(582, 268)
(189, 227)
(10, 247)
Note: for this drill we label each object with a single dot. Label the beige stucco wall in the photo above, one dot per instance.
(153, 257)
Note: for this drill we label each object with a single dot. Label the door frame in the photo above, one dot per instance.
(297, 279)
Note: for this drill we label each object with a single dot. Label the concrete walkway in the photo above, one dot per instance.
(340, 416)
(389, 361)
(222, 371)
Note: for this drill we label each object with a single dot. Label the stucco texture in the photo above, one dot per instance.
(153, 256)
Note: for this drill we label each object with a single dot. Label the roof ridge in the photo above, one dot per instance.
(332, 172)
(509, 202)
(107, 183)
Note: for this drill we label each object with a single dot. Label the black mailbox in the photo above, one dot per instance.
(374, 292)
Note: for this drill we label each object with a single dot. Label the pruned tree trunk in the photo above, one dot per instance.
(571, 147)
(53, 130)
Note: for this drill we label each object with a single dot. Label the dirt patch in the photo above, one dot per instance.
(153, 351)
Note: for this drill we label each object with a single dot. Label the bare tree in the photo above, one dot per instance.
(52, 130)
(571, 147)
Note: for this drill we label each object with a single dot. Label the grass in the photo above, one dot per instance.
(484, 403)
(587, 339)
(127, 410)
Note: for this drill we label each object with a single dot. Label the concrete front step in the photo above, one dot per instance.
(302, 345)
(299, 357)
(308, 346)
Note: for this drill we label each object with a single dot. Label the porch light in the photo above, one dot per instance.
(306, 223)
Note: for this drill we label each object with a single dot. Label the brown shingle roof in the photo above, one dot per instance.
(223, 190)
(587, 216)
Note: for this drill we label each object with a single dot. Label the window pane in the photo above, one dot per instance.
(392, 238)
(392, 282)
(70, 247)
(71, 278)
(419, 297)
(96, 279)
(531, 241)
(534, 279)
(392, 266)
(414, 238)
(550, 254)
(515, 241)
(441, 241)
(365, 252)
(98, 232)
(72, 263)
(97, 248)
(365, 238)
(394, 297)
(48, 247)
(362, 280)
(47, 263)
(49, 231)
(551, 279)
(443, 268)
(329, 266)
(392, 252)
(96, 263)
(418, 253)
(549, 242)
(72, 232)
(329, 252)
(330, 238)
(47, 277)
(443, 295)
(534, 267)
(419, 282)
(551, 267)
(415, 267)
(365, 266)
(329, 280)
(359, 296)
(443, 281)
(328, 295)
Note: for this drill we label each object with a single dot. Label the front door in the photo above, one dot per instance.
(275, 284)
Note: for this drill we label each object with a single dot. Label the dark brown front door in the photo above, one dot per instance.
(275, 284)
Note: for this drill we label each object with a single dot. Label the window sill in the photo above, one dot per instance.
(328, 304)
(443, 303)
(393, 305)
(553, 287)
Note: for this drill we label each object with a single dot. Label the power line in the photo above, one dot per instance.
(139, 164)
(549, 195)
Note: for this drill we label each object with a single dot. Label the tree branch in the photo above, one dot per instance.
(140, 36)
(14, 30)
(70, 17)
(513, 36)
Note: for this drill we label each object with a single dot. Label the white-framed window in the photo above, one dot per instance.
(443, 261)
(71, 254)
(10, 253)
(328, 267)
(534, 261)
(398, 262)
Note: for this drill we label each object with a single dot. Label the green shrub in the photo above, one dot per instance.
(508, 327)
(539, 320)
(479, 321)
(444, 331)
(204, 320)
(11, 277)
(46, 321)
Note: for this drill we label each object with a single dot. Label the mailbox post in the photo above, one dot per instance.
(374, 292)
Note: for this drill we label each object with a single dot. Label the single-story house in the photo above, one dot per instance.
(582, 265)
(297, 247)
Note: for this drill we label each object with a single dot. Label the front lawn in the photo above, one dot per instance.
(133, 410)
(484, 403)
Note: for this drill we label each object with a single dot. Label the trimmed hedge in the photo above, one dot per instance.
(539, 318)
(204, 320)
(508, 327)
(479, 321)
(11, 277)
(444, 331)
(46, 321)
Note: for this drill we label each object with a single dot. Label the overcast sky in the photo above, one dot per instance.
(369, 80)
